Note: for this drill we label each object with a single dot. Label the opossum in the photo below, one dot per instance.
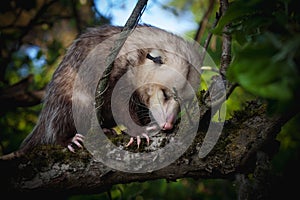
(160, 65)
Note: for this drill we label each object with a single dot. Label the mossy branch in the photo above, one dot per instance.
(242, 136)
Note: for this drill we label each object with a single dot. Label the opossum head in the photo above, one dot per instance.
(163, 81)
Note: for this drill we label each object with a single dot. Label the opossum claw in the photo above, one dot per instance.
(77, 140)
(147, 138)
(138, 140)
(71, 148)
(130, 142)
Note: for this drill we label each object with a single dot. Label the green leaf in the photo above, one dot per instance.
(254, 69)
(238, 11)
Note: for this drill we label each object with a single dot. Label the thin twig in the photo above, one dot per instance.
(226, 51)
(118, 44)
(214, 96)
(226, 44)
(207, 41)
(203, 22)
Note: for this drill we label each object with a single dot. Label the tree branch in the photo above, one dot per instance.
(216, 88)
(226, 44)
(19, 95)
(203, 22)
(242, 136)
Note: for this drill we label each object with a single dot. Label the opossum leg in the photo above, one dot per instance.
(77, 140)
(153, 127)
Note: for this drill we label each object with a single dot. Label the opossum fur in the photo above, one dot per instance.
(56, 123)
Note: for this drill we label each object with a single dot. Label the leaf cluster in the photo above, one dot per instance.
(266, 49)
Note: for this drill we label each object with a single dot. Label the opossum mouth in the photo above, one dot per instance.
(156, 118)
(149, 119)
(165, 121)
(166, 127)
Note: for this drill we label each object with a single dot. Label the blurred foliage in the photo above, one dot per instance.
(160, 189)
(286, 162)
(15, 125)
(290, 145)
(34, 36)
(266, 36)
(265, 51)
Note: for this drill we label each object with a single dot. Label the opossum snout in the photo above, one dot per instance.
(164, 108)
(165, 114)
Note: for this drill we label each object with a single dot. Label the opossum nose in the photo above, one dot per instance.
(167, 126)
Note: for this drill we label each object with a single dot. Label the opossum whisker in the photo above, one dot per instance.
(142, 111)
(143, 115)
(144, 118)
(138, 103)
(162, 110)
(142, 106)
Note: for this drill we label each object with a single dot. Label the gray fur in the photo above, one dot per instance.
(56, 123)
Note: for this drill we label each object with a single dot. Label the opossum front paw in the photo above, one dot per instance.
(138, 140)
(77, 141)
(151, 129)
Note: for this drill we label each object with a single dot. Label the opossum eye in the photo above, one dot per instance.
(156, 59)
(166, 95)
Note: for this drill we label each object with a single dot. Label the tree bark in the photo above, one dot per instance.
(55, 171)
